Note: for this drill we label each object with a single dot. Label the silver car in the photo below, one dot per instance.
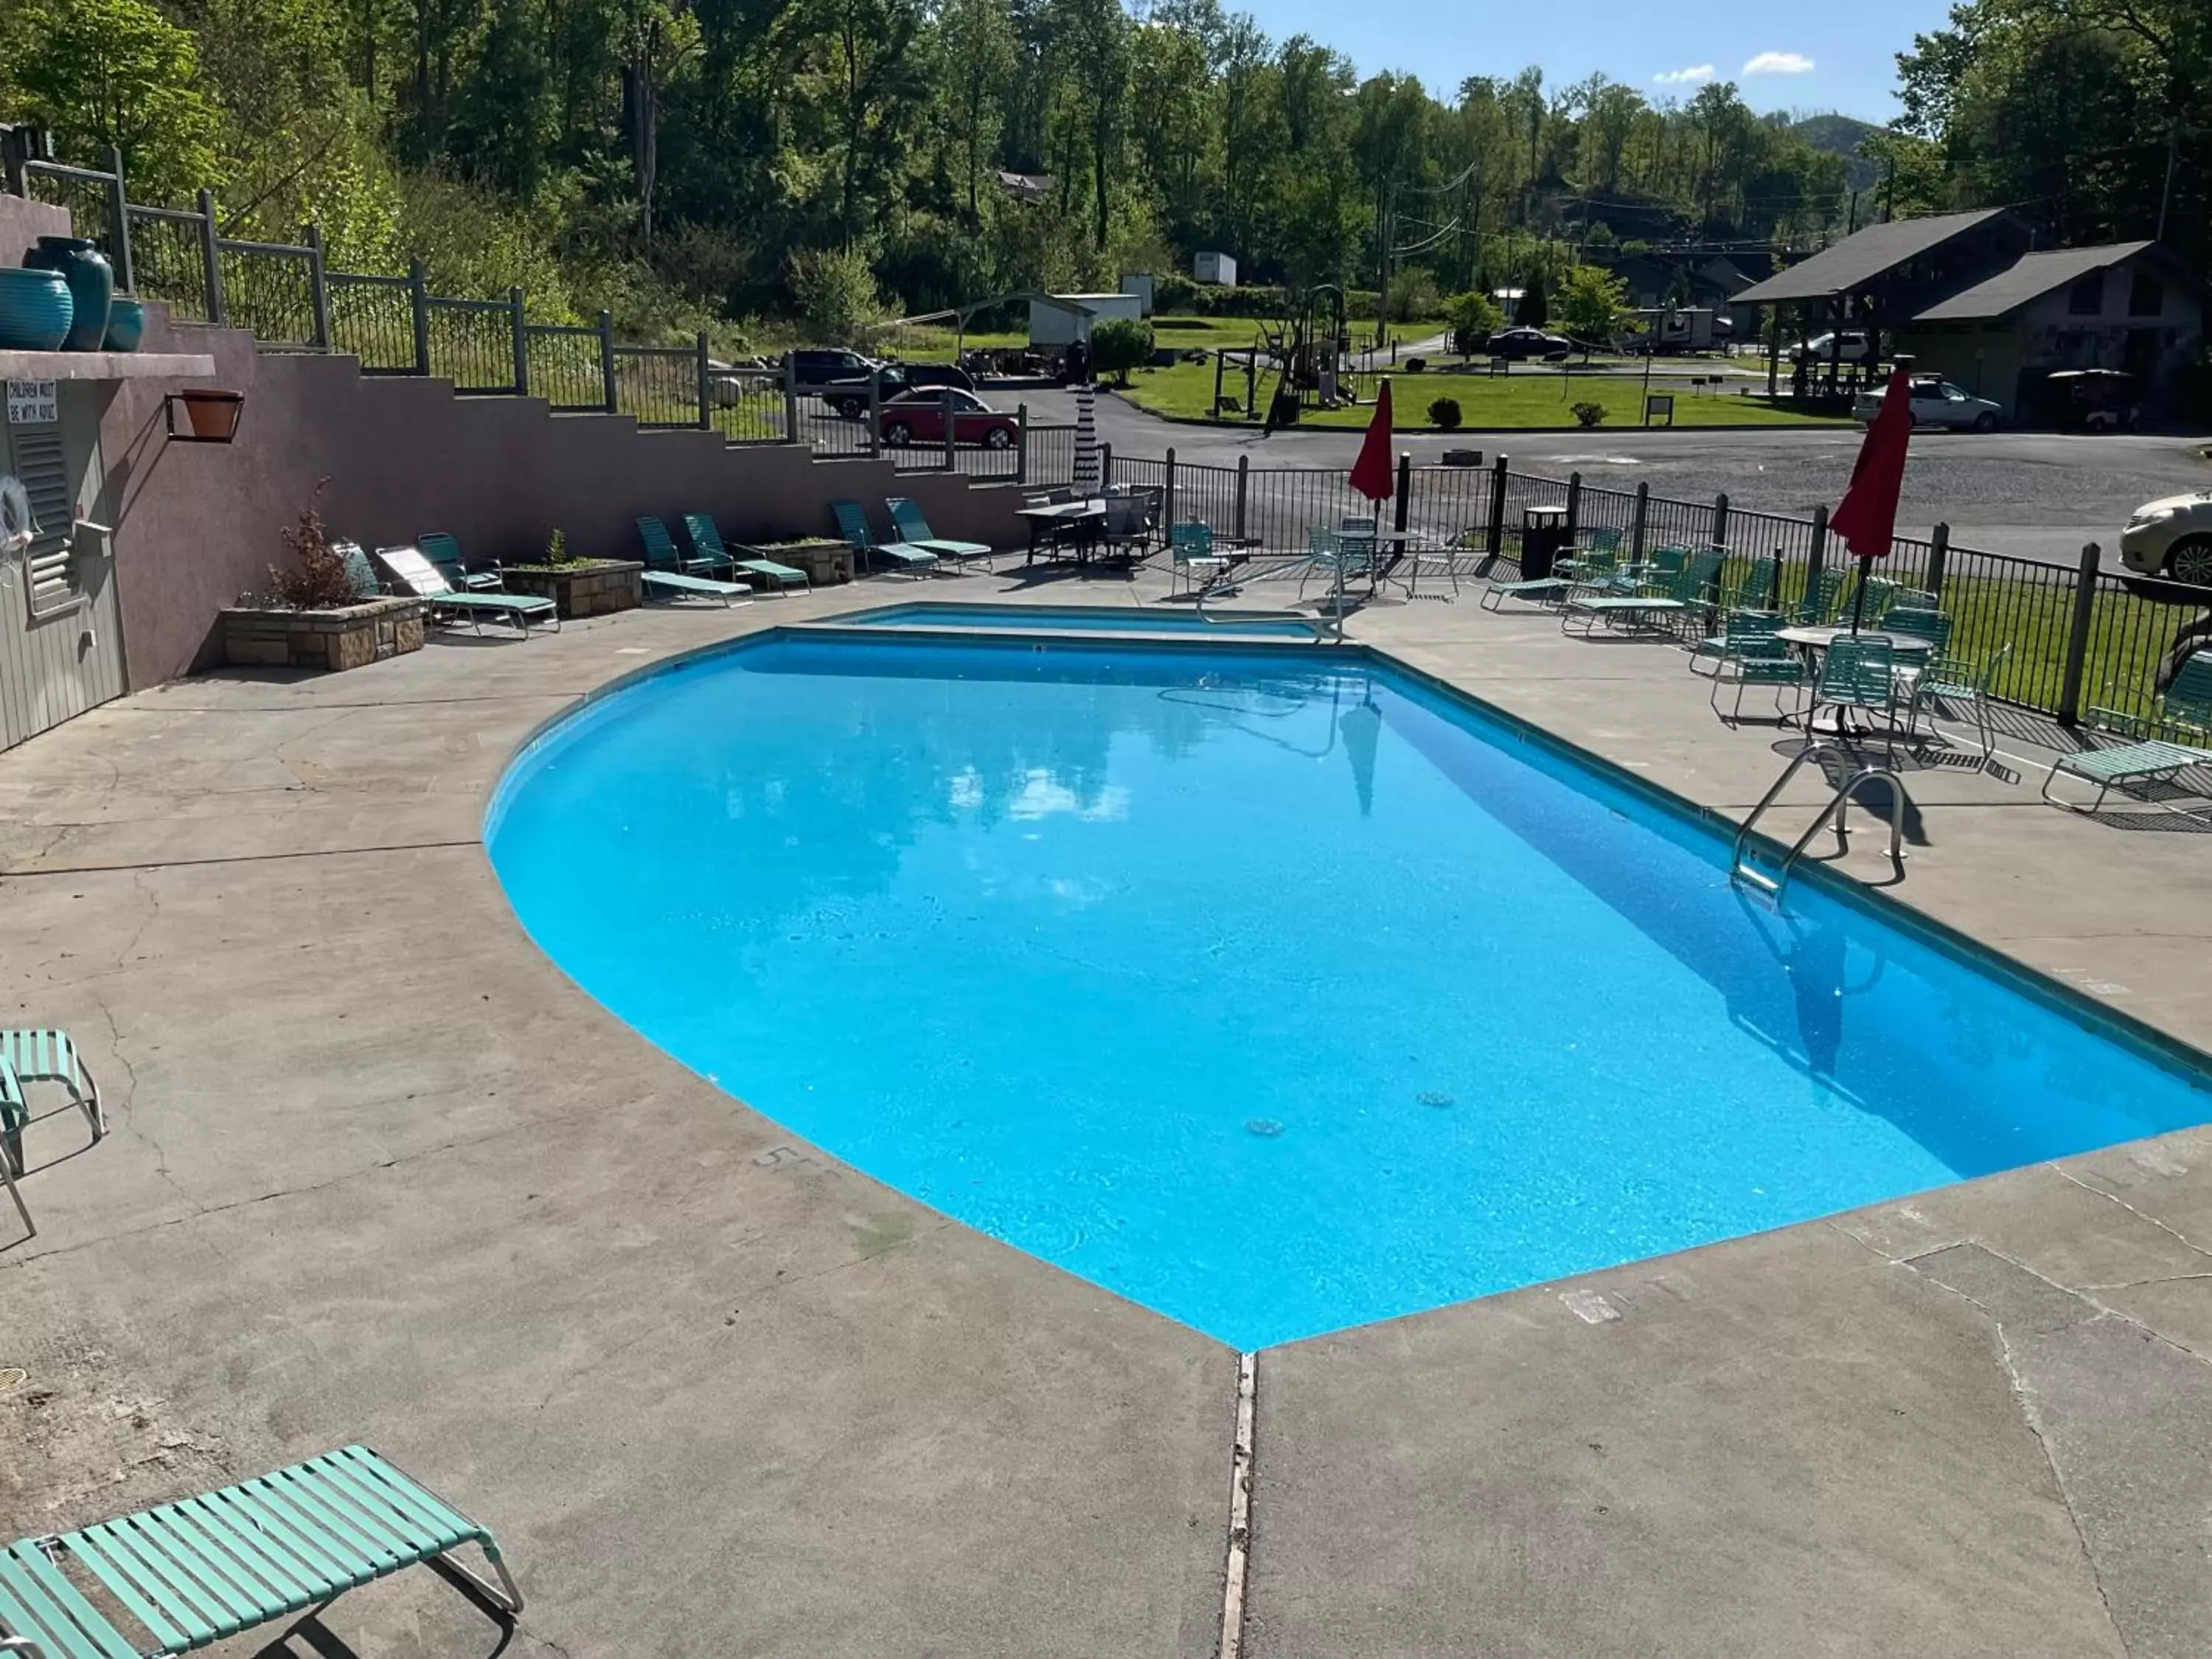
(1938, 402)
(2171, 537)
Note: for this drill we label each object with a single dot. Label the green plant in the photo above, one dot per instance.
(318, 579)
(835, 291)
(1591, 303)
(1445, 413)
(1118, 345)
(1474, 317)
(1587, 413)
(556, 550)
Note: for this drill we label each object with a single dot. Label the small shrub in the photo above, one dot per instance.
(1118, 345)
(317, 579)
(556, 550)
(1589, 413)
(1445, 413)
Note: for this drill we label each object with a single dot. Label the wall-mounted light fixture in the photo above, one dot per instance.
(211, 416)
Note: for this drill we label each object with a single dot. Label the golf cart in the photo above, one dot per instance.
(2093, 399)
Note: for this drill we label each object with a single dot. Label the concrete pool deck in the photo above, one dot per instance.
(379, 1172)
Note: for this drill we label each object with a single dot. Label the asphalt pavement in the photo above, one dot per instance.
(2032, 495)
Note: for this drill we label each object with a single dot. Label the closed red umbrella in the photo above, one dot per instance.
(1371, 474)
(1866, 519)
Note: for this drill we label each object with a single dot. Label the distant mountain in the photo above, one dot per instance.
(1841, 135)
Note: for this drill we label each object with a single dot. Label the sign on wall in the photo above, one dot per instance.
(33, 402)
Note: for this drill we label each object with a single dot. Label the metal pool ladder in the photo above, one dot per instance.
(1743, 872)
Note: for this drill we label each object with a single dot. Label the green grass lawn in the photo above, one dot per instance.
(935, 345)
(1525, 397)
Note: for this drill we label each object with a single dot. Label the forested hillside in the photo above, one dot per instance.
(693, 161)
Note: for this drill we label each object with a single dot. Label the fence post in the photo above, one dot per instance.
(520, 327)
(790, 399)
(607, 363)
(2077, 639)
(1500, 473)
(118, 214)
(418, 309)
(1642, 520)
(875, 415)
(1167, 507)
(1243, 492)
(945, 402)
(1021, 443)
(1939, 558)
(212, 259)
(1816, 555)
(1720, 520)
(320, 297)
(1105, 466)
(1398, 518)
(706, 387)
(1574, 506)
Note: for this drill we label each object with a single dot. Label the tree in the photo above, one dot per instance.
(117, 72)
(1590, 304)
(1474, 317)
(1534, 311)
(976, 48)
(1119, 344)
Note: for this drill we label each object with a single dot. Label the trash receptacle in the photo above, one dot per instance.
(1543, 539)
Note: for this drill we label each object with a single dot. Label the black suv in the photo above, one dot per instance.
(812, 370)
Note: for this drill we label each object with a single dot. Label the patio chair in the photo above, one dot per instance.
(1859, 673)
(1755, 589)
(443, 551)
(42, 1057)
(1946, 679)
(415, 575)
(2187, 703)
(852, 525)
(1190, 551)
(1342, 556)
(914, 529)
(13, 1114)
(1738, 629)
(707, 544)
(1129, 525)
(1761, 660)
(663, 571)
(188, 1574)
(359, 570)
(1819, 603)
(1685, 595)
(1602, 543)
(1932, 626)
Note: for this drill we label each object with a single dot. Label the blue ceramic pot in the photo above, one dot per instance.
(126, 325)
(91, 285)
(35, 310)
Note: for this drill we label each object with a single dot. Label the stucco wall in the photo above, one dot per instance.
(197, 525)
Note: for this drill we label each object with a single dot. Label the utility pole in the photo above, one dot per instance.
(2165, 196)
(1383, 268)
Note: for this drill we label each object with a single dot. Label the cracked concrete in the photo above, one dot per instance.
(379, 1172)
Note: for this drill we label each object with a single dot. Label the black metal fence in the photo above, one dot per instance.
(2079, 641)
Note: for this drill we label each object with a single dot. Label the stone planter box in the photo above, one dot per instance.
(825, 563)
(590, 587)
(330, 640)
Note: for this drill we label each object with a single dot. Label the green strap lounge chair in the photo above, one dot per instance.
(1687, 594)
(1755, 589)
(413, 574)
(1761, 660)
(2187, 704)
(706, 543)
(1192, 559)
(1738, 629)
(852, 525)
(13, 1115)
(46, 1057)
(914, 529)
(663, 571)
(443, 551)
(186, 1575)
(1819, 604)
(1859, 673)
(1944, 680)
(360, 570)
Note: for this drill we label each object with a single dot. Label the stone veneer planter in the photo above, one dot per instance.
(331, 640)
(825, 563)
(586, 588)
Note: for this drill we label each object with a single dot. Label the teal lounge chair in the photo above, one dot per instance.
(663, 571)
(1942, 680)
(362, 572)
(189, 1574)
(1761, 660)
(852, 525)
(1685, 594)
(443, 551)
(1859, 673)
(1819, 603)
(13, 1115)
(1738, 629)
(1191, 554)
(29, 1057)
(413, 574)
(914, 529)
(706, 543)
(2187, 704)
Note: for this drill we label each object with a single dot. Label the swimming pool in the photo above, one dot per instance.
(1080, 619)
(1266, 986)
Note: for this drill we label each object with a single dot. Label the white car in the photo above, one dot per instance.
(1938, 402)
(2171, 537)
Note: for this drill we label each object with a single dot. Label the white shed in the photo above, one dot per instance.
(1216, 268)
(1062, 319)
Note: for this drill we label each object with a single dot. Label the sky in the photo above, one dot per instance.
(1787, 54)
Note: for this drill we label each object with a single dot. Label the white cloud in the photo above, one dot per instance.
(1779, 63)
(1683, 77)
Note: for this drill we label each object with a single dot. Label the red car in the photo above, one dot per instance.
(918, 418)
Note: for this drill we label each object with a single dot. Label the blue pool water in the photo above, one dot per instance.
(1268, 988)
(1078, 619)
